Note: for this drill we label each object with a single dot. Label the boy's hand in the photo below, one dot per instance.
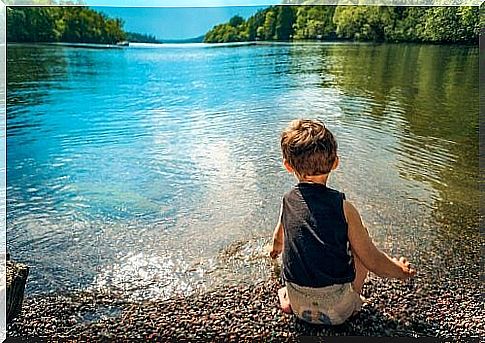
(276, 249)
(407, 271)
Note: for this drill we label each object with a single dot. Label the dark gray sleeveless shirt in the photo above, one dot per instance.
(316, 247)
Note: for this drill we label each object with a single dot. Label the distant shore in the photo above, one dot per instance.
(215, 45)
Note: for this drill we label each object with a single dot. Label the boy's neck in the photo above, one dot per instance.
(321, 179)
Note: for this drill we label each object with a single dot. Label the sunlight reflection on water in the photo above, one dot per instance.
(138, 168)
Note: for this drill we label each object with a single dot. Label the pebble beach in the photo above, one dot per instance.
(250, 312)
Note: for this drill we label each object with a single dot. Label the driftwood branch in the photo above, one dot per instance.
(16, 279)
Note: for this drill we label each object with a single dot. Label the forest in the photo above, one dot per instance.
(79, 24)
(74, 24)
(361, 23)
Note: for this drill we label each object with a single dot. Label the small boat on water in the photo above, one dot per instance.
(123, 43)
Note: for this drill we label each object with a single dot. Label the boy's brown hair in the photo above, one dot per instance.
(308, 147)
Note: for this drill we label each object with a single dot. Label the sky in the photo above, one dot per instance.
(176, 22)
(179, 3)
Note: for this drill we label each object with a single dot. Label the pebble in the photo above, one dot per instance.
(248, 313)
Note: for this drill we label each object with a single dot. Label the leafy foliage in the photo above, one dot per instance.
(314, 22)
(62, 24)
(364, 23)
(141, 38)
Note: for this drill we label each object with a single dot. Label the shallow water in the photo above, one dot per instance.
(157, 170)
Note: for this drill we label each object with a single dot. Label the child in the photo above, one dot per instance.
(327, 251)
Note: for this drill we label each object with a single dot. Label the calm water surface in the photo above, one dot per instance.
(158, 170)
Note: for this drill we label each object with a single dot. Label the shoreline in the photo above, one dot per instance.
(249, 312)
(135, 45)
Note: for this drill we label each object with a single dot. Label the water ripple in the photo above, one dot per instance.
(136, 169)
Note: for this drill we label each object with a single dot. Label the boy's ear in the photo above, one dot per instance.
(287, 166)
(336, 163)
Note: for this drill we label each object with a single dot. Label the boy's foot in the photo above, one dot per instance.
(284, 301)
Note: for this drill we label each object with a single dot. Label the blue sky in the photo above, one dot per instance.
(180, 3)
(176, 22)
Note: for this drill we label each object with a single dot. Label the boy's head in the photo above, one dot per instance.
(309, 148)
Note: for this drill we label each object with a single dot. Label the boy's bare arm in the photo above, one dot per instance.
(278, 237)
(372, 258)
(277, 246)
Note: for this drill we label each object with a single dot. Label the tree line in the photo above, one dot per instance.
(362, 23)
(62, 24)
(141, 38)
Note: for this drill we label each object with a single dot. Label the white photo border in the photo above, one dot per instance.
(157, 3)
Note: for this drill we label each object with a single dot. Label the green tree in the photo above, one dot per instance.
(269, 25)
(365, 23)
(236, 21)
(253, 24)
(284, 23)
(408, 24)
(141, 38)
(314, 22)
(470, 22)
(451, 24)
(31, 24)
(62, 24)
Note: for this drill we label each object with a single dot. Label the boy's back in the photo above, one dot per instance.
(316, 251)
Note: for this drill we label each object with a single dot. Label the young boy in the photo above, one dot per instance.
(327, 251)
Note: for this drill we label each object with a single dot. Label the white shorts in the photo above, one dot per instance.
(331, 305)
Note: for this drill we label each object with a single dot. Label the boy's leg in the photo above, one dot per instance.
(360, 274)
(284, 301)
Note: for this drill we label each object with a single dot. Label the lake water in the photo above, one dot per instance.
(158, 170)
